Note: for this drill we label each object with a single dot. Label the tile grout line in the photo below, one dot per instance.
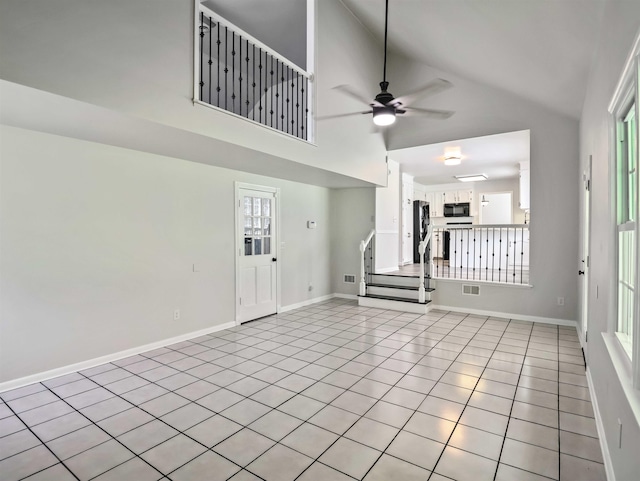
(504, 439)
(290, 325)
(44, 444)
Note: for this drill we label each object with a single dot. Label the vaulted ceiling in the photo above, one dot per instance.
(539, 50)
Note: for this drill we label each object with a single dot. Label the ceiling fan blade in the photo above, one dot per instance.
(337, 116)
(348, 90)
(429, 113)
(432, 88)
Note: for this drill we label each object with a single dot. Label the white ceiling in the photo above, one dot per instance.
(540, 50)
(497, 156)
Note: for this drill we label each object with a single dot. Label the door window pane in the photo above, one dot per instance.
(266, 207)
(266, 244)
(257, 203)
(247, 205)
(267, 226)
(247, 246)
(257, 246)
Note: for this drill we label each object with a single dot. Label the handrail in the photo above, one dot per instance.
(363, 247)
(254, 40)
(422, 246)
(482, 226)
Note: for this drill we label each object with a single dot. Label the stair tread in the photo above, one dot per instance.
(393, 286)
(393, 298)
(410, 276)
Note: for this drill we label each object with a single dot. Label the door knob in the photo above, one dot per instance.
(274, 259)
(580, 273)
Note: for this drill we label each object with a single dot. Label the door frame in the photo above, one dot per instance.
(239, 242)
(586, 251)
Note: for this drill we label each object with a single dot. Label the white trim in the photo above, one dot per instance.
(604, 447)
(308, 302)
(621, 87)
(508, 315)
(486, 283)
(81, 366)
(624, 370)
(394, 305)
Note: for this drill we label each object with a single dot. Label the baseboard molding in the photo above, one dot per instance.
(508, 315)
(606, 456)
(346, 296)
(308, 302)
(80, 366)
(394, 305)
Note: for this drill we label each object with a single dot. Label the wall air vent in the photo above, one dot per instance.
(469, 290)
(349, 279)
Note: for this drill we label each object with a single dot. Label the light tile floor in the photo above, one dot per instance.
(330, 392)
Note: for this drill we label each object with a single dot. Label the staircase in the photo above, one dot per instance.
(399, 291)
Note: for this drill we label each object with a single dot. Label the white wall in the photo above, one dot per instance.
(136, 57)
(352, 218)
(98, 245)
(482, 110)
(619, 29)
(387, 247)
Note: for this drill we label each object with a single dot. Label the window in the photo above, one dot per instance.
(626, 226)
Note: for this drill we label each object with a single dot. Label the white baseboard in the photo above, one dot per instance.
(508, 315)
(308, 302)
(80, 366)
(606, 456)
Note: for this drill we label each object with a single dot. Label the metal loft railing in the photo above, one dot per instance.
(238, 73)
(491, 253)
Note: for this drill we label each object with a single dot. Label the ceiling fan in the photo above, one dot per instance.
(385, 107)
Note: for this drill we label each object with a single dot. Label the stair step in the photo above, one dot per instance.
(394, 286)
(393, 298)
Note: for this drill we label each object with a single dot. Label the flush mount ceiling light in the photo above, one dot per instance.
(484, 201)
(452, 156)
(471, 178)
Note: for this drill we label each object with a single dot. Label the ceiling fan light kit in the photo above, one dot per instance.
(383, 116)
(385, 107)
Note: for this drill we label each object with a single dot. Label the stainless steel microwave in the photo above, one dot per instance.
(461, 209)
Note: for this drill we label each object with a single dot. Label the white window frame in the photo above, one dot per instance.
(627, 93)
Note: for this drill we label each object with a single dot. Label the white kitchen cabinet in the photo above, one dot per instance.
(451, 197)
(464, 196)
(435, 200)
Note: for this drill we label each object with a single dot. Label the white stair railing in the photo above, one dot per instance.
(422, 246)
(363, 248)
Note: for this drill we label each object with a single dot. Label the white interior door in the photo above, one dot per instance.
(256, 239)
(585, 252)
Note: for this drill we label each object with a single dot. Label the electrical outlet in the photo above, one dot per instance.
(561, 301)
(176, 315)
